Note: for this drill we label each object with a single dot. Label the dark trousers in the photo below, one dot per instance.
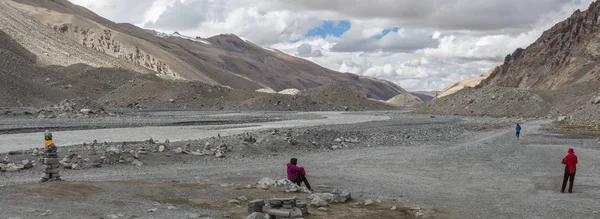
(570, 177)
(518, 133)
(302, 179)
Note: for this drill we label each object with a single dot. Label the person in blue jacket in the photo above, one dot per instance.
(518, 130)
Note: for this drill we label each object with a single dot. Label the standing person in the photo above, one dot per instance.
(570, 162)
(297, 174)
(518, 129)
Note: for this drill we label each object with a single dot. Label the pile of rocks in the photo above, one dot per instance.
(219, 151)
(323, 199)
(287, 208)
(284, 184)
(248, 139)
(7, 165)
(279, 208)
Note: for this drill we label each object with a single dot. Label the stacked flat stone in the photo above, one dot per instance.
(142, 150)
(51, 164)
(256, 206)
(92, 148)
(287, 208)
(187, 148)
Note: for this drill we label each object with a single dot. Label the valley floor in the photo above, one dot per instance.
(455, 167)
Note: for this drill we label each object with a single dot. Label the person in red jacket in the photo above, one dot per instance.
(570, 162)
(297, 174)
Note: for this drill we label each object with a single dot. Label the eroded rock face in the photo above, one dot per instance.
(563, 55)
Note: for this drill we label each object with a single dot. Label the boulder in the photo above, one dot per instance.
(561, 119)
(369, 202)
(219, 154)
(265, 183)
(179, 150)
(113, 150)
(342, 196)
(280, 213)
(318, 202)
(86, 111)
(596, 100)
(27, 164)
(233, 201)
(325, 196)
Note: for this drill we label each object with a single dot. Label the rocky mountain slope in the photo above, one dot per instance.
(568, 53)
(77, 35)
(556, 77)
(24, 83)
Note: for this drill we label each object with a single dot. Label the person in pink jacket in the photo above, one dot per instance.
(297, 174)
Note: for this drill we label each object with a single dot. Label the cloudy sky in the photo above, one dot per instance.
(418, 44)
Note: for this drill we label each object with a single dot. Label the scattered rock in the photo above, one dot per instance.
(242, 198)
(27, 164)
(561, 119)
(369, 202)
(113, 150)
(318, 202)
(233, 201)
(342, 196)
(219, 154)
(48, 212)
(596, 101)
(112, 216)
(323, 209)
(152, 209)
(179, 150)
(161, 148)
(393, 208)
(86, 111)
(137, 163)
(256, 215)
(171, 208)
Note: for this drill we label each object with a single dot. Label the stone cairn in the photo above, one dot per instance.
(92, 147)
(287, 208)
(51, 164)
(142, 149)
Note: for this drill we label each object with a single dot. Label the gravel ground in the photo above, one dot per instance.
(459, 167)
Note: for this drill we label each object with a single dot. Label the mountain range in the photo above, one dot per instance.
(61, 33)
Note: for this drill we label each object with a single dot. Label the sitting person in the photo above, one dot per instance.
(297, 174)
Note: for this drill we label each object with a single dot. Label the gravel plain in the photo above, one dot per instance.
(456, 167)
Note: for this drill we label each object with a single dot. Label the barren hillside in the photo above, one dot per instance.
(222, 60)
(568, 53)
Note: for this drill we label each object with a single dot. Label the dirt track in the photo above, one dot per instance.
(479, 173)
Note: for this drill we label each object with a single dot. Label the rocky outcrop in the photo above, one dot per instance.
(568, 53)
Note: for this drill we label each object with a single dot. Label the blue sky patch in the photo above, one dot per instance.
(386, 32)
(329, 28)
